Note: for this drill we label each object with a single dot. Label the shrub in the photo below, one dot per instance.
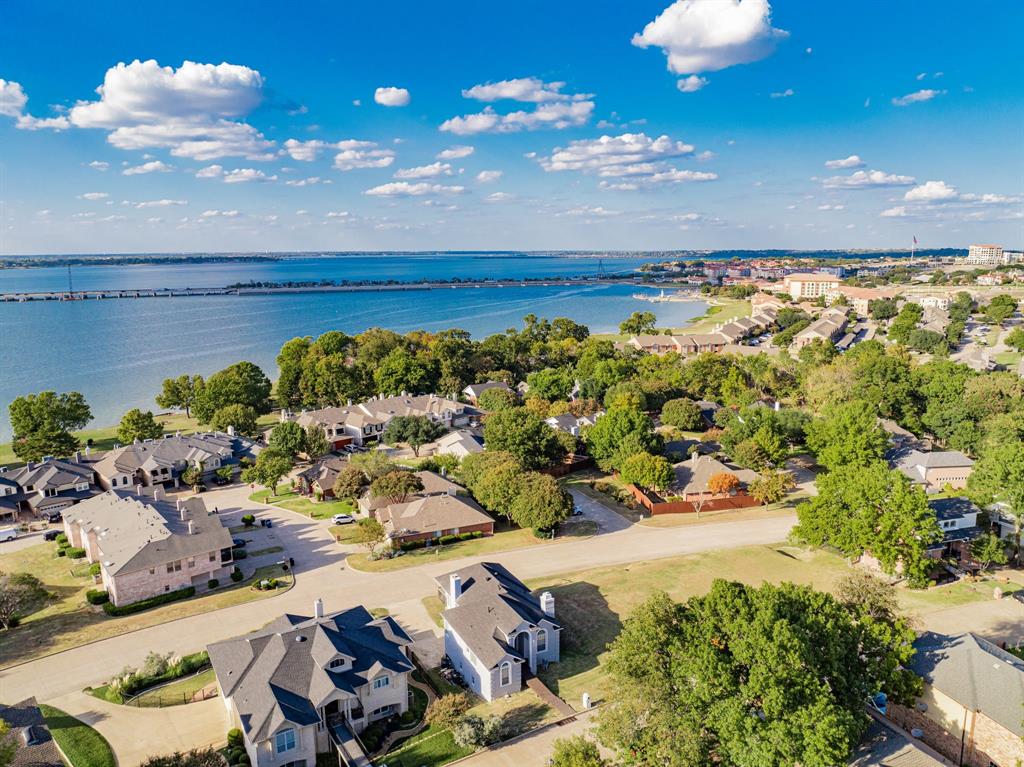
(97, 596)
(74, 552)
(412, 545)
(469, 732)
(62, 540)
(144, 604)
(94, 568)
(445, 712)
(235, 754)
(236, 575)
(212, 583)
(239, 554)
(248, 520)
(62, 552)
(446, 539)
(235, 738)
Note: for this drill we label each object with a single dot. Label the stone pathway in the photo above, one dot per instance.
(542, 692)
(408, 732)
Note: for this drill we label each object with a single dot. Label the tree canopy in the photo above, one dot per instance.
(180, 393)
(138, 425)
(414, 430)
(240, 384)
(646, 470)
(43, 422)
(288, 437)
(397, 486)
(847, 434)
(241, 418)
(619, 434)
(524, 435)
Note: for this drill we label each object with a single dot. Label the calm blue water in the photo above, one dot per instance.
(117, 352)
(373, 266)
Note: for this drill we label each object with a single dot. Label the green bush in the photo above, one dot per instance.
(75, 553)
(62, 552)
(235, 739)
(248, 520)
(62, 540)
(144, 604)
(94, 568)
(236, 575)
(412, 545)
(97, 596)
(235, 755)
(446, 539)
(212, 583)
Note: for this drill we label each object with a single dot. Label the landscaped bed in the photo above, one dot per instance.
(163, 681)
(80, 743)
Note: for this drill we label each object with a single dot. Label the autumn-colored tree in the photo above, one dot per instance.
(722, 483)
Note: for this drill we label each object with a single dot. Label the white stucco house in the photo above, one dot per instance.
(496, 632)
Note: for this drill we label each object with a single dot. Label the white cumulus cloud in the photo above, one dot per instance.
(193, 110)
(530, 89)
(406, 189)
(488, 176)
(931, 191)
(391, 96)
(159, 203)
(553, 109)
(866, 179)
(927, 94)
(710, 35)
(782, 94)
(455, 153)
(153, 166)
(99, 165)
(692, 84)
(425, 171)
(853, 161)
(13, 100)
(94, 196)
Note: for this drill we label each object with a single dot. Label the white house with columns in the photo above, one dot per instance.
(496, 632)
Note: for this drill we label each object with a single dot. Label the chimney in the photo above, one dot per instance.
(88, 449)
(547, 604)
(191, 527)
(78, 456)
(158, 493)
(138, 489)
(318, 608)
(231, 430)
(29, 466)
(454, 589)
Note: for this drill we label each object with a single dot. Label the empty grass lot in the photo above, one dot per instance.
(287, 498)
(69, 621)
(503, 540)
(592, 604)
(81, 744)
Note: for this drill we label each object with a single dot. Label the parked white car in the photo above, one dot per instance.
(8, 534)
(342, 519)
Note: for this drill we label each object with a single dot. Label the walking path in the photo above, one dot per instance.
(408, 732)
(534, 748)
(545, 694)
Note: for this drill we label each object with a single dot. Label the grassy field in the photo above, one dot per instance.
(503, 540)
(69, 621)
(592, 604)
(81, 744)
(1007, 358)
(723, 310)
(104, 438)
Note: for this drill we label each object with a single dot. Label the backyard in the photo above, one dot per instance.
(69, 621)
(592, 604)
(287, 498)
(80, 743)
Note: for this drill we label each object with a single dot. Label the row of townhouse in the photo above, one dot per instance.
(304, 686)
(829, 326)
(149, 545)
(44, 488)
(724, 338)
(366, 421)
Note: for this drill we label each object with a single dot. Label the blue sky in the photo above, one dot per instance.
(641, 125)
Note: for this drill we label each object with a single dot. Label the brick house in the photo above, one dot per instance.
(970, 708)
(933, 470)
(149, 546)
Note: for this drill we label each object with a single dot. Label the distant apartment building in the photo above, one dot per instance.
(805, 285)
(149, 546)
(830, 326)
(932, 301)
(984, 255)
(858, 298)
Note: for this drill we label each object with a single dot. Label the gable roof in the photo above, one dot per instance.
(175, 449)
(279, 674)
(461, 440)
(975, 673)
(692, 475)
(431, 514)
(475, 390)
(134, 533)
(52, 473)
(493, 604)
(34, 745)
(882, 746)
(916, 463)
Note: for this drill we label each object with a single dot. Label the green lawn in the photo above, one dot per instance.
(1007, 358)
(592, 604)
(176, 693)
(81, 744)
(104, 438)
(434, 607)
(501, 541)
(69, 621)
(429, 748)
(287, 498)
(724, 310)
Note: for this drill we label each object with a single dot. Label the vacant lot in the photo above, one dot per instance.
(69, 621)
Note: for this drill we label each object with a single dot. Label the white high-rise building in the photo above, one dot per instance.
(985, 255)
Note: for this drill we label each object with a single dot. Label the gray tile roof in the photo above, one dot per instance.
(34, 743)
(136, 533)
(952, 508)
(279, 673)
(975, 673)
(692, 475)
(492, 605)
(884, 747)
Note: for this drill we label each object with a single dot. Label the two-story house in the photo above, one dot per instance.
(301, 683)
(150, 546)
(496, 632)
(958, 520)
(45, 488)
(933, 470)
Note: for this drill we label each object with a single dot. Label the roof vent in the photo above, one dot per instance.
(300, 638)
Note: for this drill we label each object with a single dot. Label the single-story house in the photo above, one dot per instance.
(692, 475)
(933, 470)
(162, 461)
(149, 546)
(473, 391)
(970, 708)
(302, 686)
(459, 443)
(495, 630)
(34, 745)
(430, 517)
(319, 478)
(433, 484)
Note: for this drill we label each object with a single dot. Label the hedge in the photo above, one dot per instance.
(144, 604)
(236, 575)
(212, 583)
(94, 568)
(75, 553)
(238, 554)
(444, 540)
(97, 597)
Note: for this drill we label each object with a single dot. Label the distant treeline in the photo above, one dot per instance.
(263, 284)
(28, 263)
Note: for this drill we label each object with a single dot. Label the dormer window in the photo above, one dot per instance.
(337, 663)
(381, 682)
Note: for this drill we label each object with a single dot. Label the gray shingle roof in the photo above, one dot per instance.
(174, 450)
(975, 673)
(35, 744)
(279, 674)
(54, 473)
(884, 747)
(493, 603)
(692, 475)
(431, 514)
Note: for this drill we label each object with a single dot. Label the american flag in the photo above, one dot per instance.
(915, 239)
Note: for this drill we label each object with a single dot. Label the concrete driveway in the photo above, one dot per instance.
(533, 749)
(607, 520)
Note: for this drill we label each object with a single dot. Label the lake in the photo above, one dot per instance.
(117, 352)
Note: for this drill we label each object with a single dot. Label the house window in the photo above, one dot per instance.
(382, 711)
(192, 562)
(284, 741)
(505, 674)
(381, 682)
(542, 640)
(336, 663)
(174, 567)
(213, 556)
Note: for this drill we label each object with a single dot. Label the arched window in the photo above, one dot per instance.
(542, 640)
(505, 674)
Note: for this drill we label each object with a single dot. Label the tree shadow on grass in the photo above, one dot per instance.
(524, 718)
(588, 626)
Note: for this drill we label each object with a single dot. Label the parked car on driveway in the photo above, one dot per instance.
(51, 535)
(342, 519)
(237, 543)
